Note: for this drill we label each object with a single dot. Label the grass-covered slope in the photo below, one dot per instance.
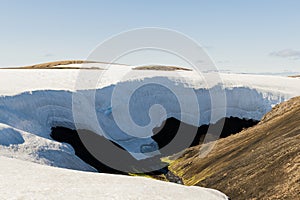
(262, 162)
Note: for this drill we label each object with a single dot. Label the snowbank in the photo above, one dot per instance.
(24, 180)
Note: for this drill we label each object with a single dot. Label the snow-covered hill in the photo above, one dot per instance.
(24, 180)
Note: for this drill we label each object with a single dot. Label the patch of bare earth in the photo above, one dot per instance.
(295, 76)
(161, 68)
(57, 65)
(262, 162)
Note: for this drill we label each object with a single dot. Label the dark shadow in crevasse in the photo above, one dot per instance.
(166, 133)
(162, 135)
(105, 150)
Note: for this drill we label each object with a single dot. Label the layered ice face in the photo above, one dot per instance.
(30, 108)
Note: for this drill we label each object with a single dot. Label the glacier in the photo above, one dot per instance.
(30, 110)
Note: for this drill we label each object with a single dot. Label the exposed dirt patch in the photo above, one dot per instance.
(262, 162)
(56, 65)
(295, 76)
(161, 68)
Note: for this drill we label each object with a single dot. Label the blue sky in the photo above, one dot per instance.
(245, 36)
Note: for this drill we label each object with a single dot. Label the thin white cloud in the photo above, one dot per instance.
(287, 53)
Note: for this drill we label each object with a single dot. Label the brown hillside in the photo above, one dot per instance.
(295, 76)
(262, 162)
(55, 65)
(51, 65)
(161, 68)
